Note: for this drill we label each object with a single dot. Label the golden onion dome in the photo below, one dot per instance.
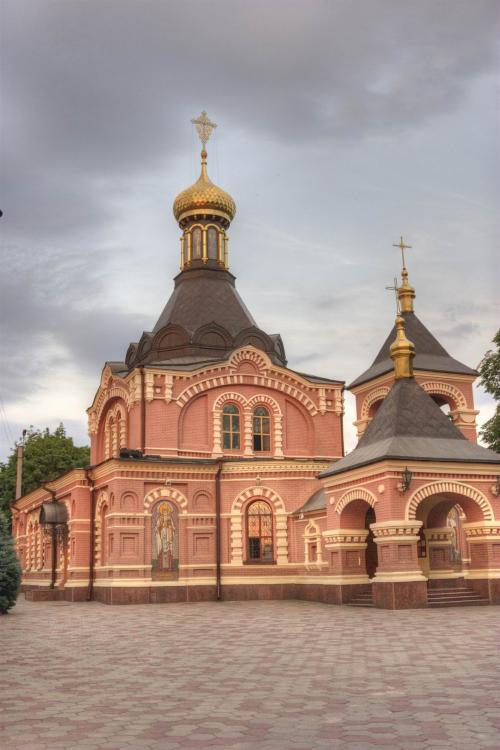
(204, 198)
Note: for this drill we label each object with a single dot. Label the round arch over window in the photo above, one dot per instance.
(197, 242)
(231, 427)
(261, 429)
(260, 546)
(212, 243)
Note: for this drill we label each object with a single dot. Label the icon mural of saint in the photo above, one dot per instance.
(165, 538)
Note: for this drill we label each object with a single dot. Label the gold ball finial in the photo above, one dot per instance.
(402, 351)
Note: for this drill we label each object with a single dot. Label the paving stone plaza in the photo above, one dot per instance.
(266, 675)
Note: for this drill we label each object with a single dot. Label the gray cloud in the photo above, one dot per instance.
(342, 124)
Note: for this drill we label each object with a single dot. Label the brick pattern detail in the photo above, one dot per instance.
(440, 488)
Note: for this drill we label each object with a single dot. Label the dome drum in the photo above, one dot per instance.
(204, 243)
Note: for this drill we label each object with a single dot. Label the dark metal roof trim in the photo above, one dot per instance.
(316, 502)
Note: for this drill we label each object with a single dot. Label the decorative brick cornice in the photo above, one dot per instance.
(395, 529)
(345, 537)
(442, 535)
(480, 532)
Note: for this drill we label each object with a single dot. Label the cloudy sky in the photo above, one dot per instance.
(342, 124)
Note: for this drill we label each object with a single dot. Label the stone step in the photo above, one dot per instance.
(453, 596)
(465, 602)
(362, 600)
(457, 596)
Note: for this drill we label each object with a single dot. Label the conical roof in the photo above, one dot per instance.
(409, 425)
(429, 354)
(204, 319)
(203, 296)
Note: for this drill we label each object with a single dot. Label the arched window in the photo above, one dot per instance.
(196, 243)
(230, 427)
(260, 531)
(261, 429)
(212, 241)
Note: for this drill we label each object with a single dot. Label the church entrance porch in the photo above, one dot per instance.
(458, 550)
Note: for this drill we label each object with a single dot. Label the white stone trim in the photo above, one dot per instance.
(247, 406)
(166, 493)
(280, 518)
(444, 487)
(439, 388)
(357, 493)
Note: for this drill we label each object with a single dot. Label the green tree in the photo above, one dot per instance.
(489, 369)
(10, 569)
(47, 455)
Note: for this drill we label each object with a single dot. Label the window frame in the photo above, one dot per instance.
(235, 414)
(261, 434)
(259, 560)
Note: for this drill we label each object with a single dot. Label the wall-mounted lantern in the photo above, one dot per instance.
(54, 521)
(406, 478)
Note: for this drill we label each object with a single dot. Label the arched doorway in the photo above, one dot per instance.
(371, 556)
(443, 550)
(358, 515)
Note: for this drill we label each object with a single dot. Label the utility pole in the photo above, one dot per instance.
(19, 467)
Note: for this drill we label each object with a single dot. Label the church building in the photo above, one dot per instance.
(218, 472)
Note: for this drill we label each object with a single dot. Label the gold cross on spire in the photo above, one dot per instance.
(402, 247)
(204, 127)
(394, 288)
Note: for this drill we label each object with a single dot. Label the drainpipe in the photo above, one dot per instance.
(143, 412)
(218, 532)
(90, 588)
(53, 537)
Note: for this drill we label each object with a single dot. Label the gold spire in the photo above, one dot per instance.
(204, 198)
(406, 293)
(402, 351)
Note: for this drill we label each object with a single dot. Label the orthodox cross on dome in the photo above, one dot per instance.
(394, 288)
(402, 247)
(204, 127)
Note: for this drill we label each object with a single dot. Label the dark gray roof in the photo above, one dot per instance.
(429, 354)
(317, 378)
(316, 502)
(205, 317)
(410, 425)
(204, 296)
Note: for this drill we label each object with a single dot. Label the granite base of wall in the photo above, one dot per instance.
(400, 594)
(311, 592)
(76, 594)
(488, 588)
(42, 594)
(153, 594)
(393, 595)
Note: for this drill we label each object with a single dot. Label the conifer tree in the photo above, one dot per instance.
(10, 569)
